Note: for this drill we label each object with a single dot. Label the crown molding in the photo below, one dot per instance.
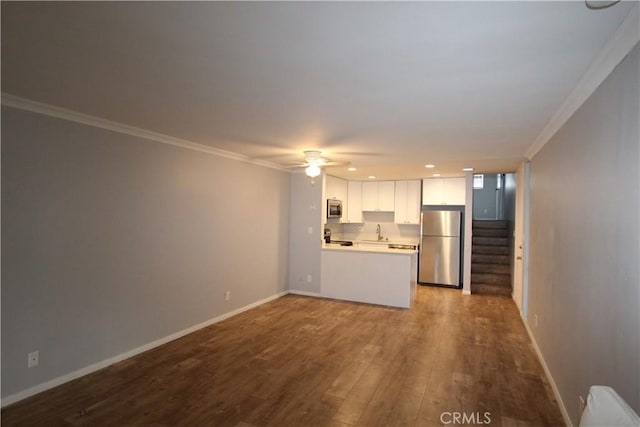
(85, 119)
(612, 53)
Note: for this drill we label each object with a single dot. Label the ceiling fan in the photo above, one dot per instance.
(314, 163)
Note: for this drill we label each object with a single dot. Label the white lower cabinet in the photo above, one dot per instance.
(370, 277)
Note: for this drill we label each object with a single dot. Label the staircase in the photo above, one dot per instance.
(491, 258)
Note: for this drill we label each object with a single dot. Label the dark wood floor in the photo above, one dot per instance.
(301, 361)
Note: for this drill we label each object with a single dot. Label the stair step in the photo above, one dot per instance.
(491, 278)
(496, 250)
(490, 268)
(484, 223)
(491, 241)
(490, 259)
(490, 232)
(487, 289)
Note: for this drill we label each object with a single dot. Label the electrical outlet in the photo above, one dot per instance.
(33, 359)
(309, 230)
(309, 278)
(227, 295)
(535, 320)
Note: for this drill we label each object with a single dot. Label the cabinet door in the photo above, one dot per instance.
(413, 203)
(400, 216)
(369, 196)
(408, 202)
(354, 202)
(329, 187)
(432, 191)
(453, 191)
(335, 188)
(386, 196)
(342, 190)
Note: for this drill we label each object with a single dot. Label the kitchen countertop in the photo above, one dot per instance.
(375, 247)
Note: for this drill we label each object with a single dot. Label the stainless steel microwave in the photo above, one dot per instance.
(334, 208)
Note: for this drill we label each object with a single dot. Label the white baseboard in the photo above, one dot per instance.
(304, 293)
(556, 392)
(16, 397)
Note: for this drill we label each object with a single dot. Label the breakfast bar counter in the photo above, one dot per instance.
(369, 273)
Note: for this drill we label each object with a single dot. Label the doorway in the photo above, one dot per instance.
(494, 198)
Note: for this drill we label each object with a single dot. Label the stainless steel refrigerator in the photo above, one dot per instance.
(439, 262)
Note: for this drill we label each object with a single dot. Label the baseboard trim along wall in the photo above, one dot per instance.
(304, 293)
(103, 364)
(556, 392)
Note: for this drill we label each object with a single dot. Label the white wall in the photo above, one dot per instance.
(484, 200)
(110, 242)
(584, 286)
(467, 234)
(396, 233)
(304, 247)
(521, 242)
(509, 204)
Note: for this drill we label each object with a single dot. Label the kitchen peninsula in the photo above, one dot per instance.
(370, 273)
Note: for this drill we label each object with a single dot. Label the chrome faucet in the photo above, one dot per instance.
(379, 232)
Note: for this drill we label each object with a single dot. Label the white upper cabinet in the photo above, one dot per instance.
(378, 196)
(443, 191)
(386, 196)
(354, 202)
(369, 196)
(335, 188)
(453, 191)
(432, 191)
(407, 202)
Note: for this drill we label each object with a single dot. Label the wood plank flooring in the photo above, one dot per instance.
(301, 361)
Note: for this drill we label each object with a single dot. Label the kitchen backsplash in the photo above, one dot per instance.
(397, 233)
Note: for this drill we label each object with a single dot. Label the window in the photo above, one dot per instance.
(478, 181)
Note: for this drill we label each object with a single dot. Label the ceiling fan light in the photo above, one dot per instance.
(312, 170)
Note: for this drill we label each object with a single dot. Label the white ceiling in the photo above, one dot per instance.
(387, 86)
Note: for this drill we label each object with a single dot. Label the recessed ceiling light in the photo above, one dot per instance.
(467, 169)
(372, 177)
(429, 166)
(436, 174)
(352, 169)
